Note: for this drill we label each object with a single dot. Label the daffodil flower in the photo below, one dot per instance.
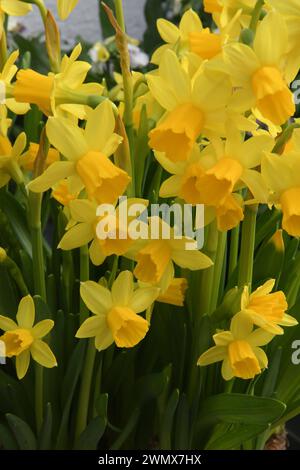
(266, 309)
(189, 37)
(54, 93)
(10, 157)
(65, 8)
(281, 174)
(24, 339)
(155, 257)
(87, 153)
(6, 75)
(259, 73)
(116, 312)
(192, 107)
(239, 350)
(83, 230)
(29, 157)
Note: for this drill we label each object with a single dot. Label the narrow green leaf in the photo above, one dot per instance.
(22, 432)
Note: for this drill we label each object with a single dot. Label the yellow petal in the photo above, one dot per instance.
(104, 339)
(241, 326)
(65, 8)
(6, 324)
(55, 173)
(143, 298)
(168, 31)
(96, 254)
(172, 72)
(271, 39)
(97, 298)
(83, 210)
(92, 327)
(191, 259)
(226, 370)
(22, 364)
(26, 312)
(100, 126)
(42, 328)
(214, 354)
(79, 235)
(122, 288)
(67, 137)
(189, 22)
(260, 337)
(42, 354)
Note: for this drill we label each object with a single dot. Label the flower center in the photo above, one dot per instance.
(32, 87)
(16, 341)
(274, 99)
(127, 328)
(291, 211)
(271, 306)
(177, 133)
(152, 261)
(188, 190)
(242, 359)
(103, 180)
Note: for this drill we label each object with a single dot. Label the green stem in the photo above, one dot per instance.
(256, 15)
(16, 274)
(41, 6)
(234, 249)
(35, 205)
(85, 389)
(114, 271)
(247, 247)
(218, 268)
(207, 279)
(84, 276)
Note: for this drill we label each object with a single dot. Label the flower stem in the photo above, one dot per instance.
(85, 389)
(218, 268)
(256, 15)
(234, 249)
(208, 275)
(247, 247)
(16, 274)
(35, 205)
(84, 276)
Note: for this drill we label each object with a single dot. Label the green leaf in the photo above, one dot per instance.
(17, 217)
(167, 421)
(22, 432)
(235, 436)
(182, 425)
(91, 436)
(45, 437)
(7, 439)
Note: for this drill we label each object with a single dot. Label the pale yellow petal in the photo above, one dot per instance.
(191, 259)
(67, 138)
(42, 328)
(7, 324)
(100, 126)
(122, 289)
(54, 173)
(214, 354)
(83, 210)
(79, 235)
(162, 92)
(171, 186)
(92, 326)
(226, 370)
(260, 337)
(168, 31)
(42, 354)
(22, 364)
(97, 298)
(241, 326)
(26, 312)
(96, 255)
(142, 298)
(271, 39)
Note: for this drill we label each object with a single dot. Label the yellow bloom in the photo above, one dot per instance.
(239, 350)
(6, 75)
(192, 107)
(175, 293)
(28, 158)
(155, 256)
(211, 176)
(87, 153)
(65, 192)
(281, 175)
(83, 230)
(54, 93)
(23, 339)
(266, 309)
(189, 37)
(10, 157)
(65, 8)
(259, 74)
(116, 312)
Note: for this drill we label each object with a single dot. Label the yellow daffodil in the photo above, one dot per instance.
(65, 8)
(116, 312)
(258, 73)
(291, 13)
(156, 255)
(281, 175)
(10, 157)
(83, 230)
(6, 75)
(239, 349)
(87, 153)
(175, 293)
(190, 36)
(28, 158)
(54, 93)
(266, 309)
(192, 107)
(24, 339)
(66, 191)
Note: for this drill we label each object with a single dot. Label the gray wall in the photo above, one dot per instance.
(84, 20)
